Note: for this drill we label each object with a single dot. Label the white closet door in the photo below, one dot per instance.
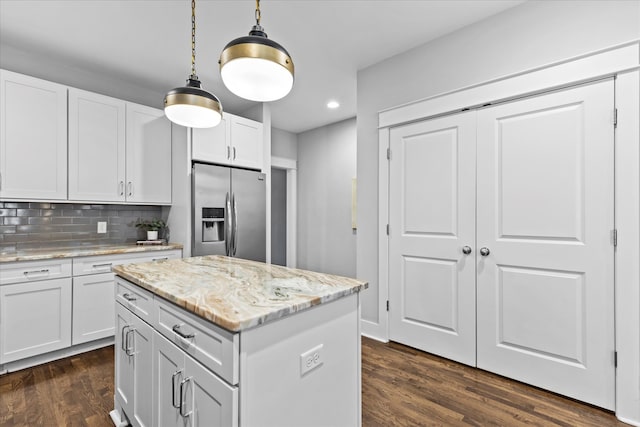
(432, 291)
(545, 212)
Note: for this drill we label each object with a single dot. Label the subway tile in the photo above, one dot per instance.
(61, 220)
(16, 238)
(50, 212)
(15, 205)
(72, 212)
(16, 220)
(81, 220)
(39, 205)
(28, 212)
(36, 229)
(7, 229)
(8, 212)
(39, 220)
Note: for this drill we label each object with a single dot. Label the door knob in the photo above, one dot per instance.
(485, 251)
(466, 250)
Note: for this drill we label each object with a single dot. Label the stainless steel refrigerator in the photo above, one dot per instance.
(229, 212)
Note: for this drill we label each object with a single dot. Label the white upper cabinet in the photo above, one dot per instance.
(118, 151)
(148, 155)
(212, 144)
(33, 138)
(96, 147)
(236, 141)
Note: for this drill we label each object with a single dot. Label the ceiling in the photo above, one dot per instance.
(147, 42)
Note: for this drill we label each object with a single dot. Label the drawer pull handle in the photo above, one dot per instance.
(164, 258)
(173, 389)
(129, 297)
(182, 398)
(107, 264)
(176, 329)
(43, 271)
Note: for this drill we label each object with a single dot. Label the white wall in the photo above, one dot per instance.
(326, 167)
(284, 144)
(527, 36)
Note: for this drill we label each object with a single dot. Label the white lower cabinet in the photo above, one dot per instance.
(35, 318)
(188, 394)
(134, 374)
(51, 309)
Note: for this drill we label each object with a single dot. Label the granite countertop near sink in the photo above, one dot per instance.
(234, 293)
(79, 251)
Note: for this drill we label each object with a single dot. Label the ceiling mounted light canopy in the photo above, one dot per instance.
(190, 105)
(255, 67)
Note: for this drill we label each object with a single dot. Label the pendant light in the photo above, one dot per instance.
(190, 105)
(255, 67)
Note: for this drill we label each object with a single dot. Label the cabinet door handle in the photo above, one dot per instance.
(173, 389)
(228, 152)
(130, 187)
(121, 188)
(176, 329)
(129, 297)
(43, 271)
(182, 397)
(123, 338)
(130, 348)
(234, 153)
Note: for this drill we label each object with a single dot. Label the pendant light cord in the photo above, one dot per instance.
(258, 12)
(193, 39)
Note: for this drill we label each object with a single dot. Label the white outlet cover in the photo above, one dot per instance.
(311, 359)
(102, 227)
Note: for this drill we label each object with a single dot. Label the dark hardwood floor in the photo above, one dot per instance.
(400, 387)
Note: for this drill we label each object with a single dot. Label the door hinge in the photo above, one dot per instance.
(387, 305)
(388, 153)
(387, 229)
(615, 117)
(615, 238)
(615, 359)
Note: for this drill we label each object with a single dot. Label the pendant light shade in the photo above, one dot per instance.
(192, 106)
(255, 67)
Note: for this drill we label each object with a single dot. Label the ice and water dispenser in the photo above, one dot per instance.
(212, 224)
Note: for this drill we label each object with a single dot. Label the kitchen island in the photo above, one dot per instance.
(218, 341)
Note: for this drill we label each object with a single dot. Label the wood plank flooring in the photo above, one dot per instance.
(400, 387)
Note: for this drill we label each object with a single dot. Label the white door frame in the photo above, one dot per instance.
(291, 166)
(621, 61)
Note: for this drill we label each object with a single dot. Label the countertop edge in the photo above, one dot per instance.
(44, 254)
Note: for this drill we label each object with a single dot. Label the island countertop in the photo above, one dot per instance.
(237, 294)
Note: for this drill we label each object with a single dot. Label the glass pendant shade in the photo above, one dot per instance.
(257, 68)
(192, 106)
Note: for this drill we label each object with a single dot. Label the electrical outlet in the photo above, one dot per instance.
(311, 360)
(102, 227)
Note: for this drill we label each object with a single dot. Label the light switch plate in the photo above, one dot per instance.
(102, 227)
(311, 359)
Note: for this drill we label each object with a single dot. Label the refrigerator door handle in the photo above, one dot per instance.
(227, 223)
(235, 225)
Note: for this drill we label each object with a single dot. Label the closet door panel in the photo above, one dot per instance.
(432, 217)
(545, 213)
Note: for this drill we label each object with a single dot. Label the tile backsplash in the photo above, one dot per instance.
(43, 225)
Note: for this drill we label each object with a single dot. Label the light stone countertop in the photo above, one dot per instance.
(79, 251)
(237, 294)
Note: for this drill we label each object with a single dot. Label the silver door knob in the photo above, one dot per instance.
(484, 251)
(466, 250)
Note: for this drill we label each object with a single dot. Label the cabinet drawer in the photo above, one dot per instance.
(31, 271)
(134, 298)
(214, 347)
(103, 263)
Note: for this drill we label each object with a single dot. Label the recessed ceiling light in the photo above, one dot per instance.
(333, 104)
